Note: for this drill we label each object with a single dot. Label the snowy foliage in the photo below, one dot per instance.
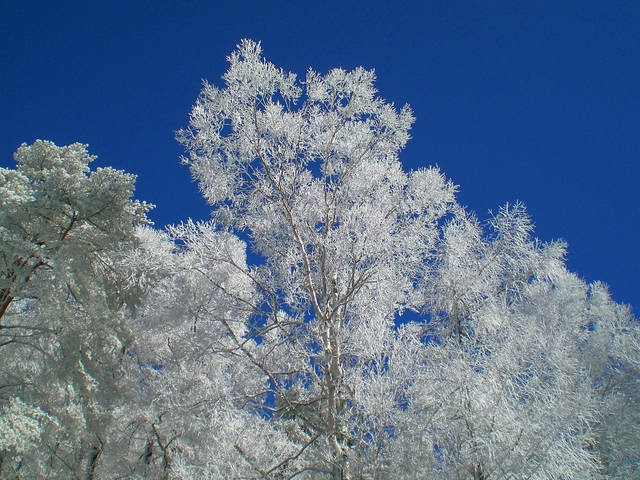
(337, 318)
(63, 303)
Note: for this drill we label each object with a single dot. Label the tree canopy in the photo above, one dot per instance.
(337, 317)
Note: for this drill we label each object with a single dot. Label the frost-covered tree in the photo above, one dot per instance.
(503, 392)
(345, 237)
(612, 357)
(489, 380)
(64, 298)
(337, 318)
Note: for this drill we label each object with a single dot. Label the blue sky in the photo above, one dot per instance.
(537, 101)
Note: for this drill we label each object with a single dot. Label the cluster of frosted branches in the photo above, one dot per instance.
(337, 318)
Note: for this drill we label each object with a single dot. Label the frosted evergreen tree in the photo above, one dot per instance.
(64, 300)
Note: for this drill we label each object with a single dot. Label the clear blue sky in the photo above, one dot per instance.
(537, 101)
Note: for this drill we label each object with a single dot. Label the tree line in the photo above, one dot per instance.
(338, 317)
